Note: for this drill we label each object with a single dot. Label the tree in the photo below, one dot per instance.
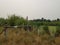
(15, 20)
(58, 19)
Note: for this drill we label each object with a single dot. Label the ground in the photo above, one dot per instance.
(22, 37)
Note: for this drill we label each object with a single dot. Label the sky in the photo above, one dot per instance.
(34, 9)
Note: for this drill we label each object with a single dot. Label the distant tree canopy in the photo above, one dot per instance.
(46, 22)
(18, 20)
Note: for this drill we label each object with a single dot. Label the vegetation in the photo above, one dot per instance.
(47, 24)
(18, 20)
(43, 32)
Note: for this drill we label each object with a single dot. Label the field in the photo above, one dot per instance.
(17, 36)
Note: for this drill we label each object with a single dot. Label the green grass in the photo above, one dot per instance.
(52, 29)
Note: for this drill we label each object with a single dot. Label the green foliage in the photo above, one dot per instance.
(18, 20)
(15, 20)
(57, 30)
(46, 29)
(2, 21)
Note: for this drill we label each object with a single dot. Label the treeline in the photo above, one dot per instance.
(18, 20)
(13, 21)
(46, 22)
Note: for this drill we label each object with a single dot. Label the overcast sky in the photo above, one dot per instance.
(49, 9)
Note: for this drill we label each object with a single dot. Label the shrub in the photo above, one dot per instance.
(57, 31)
(46, 29)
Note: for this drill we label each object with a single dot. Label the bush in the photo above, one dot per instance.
(46, 29)
(57, 31)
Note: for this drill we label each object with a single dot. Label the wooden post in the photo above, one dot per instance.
(27, 22)
(5, 32)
